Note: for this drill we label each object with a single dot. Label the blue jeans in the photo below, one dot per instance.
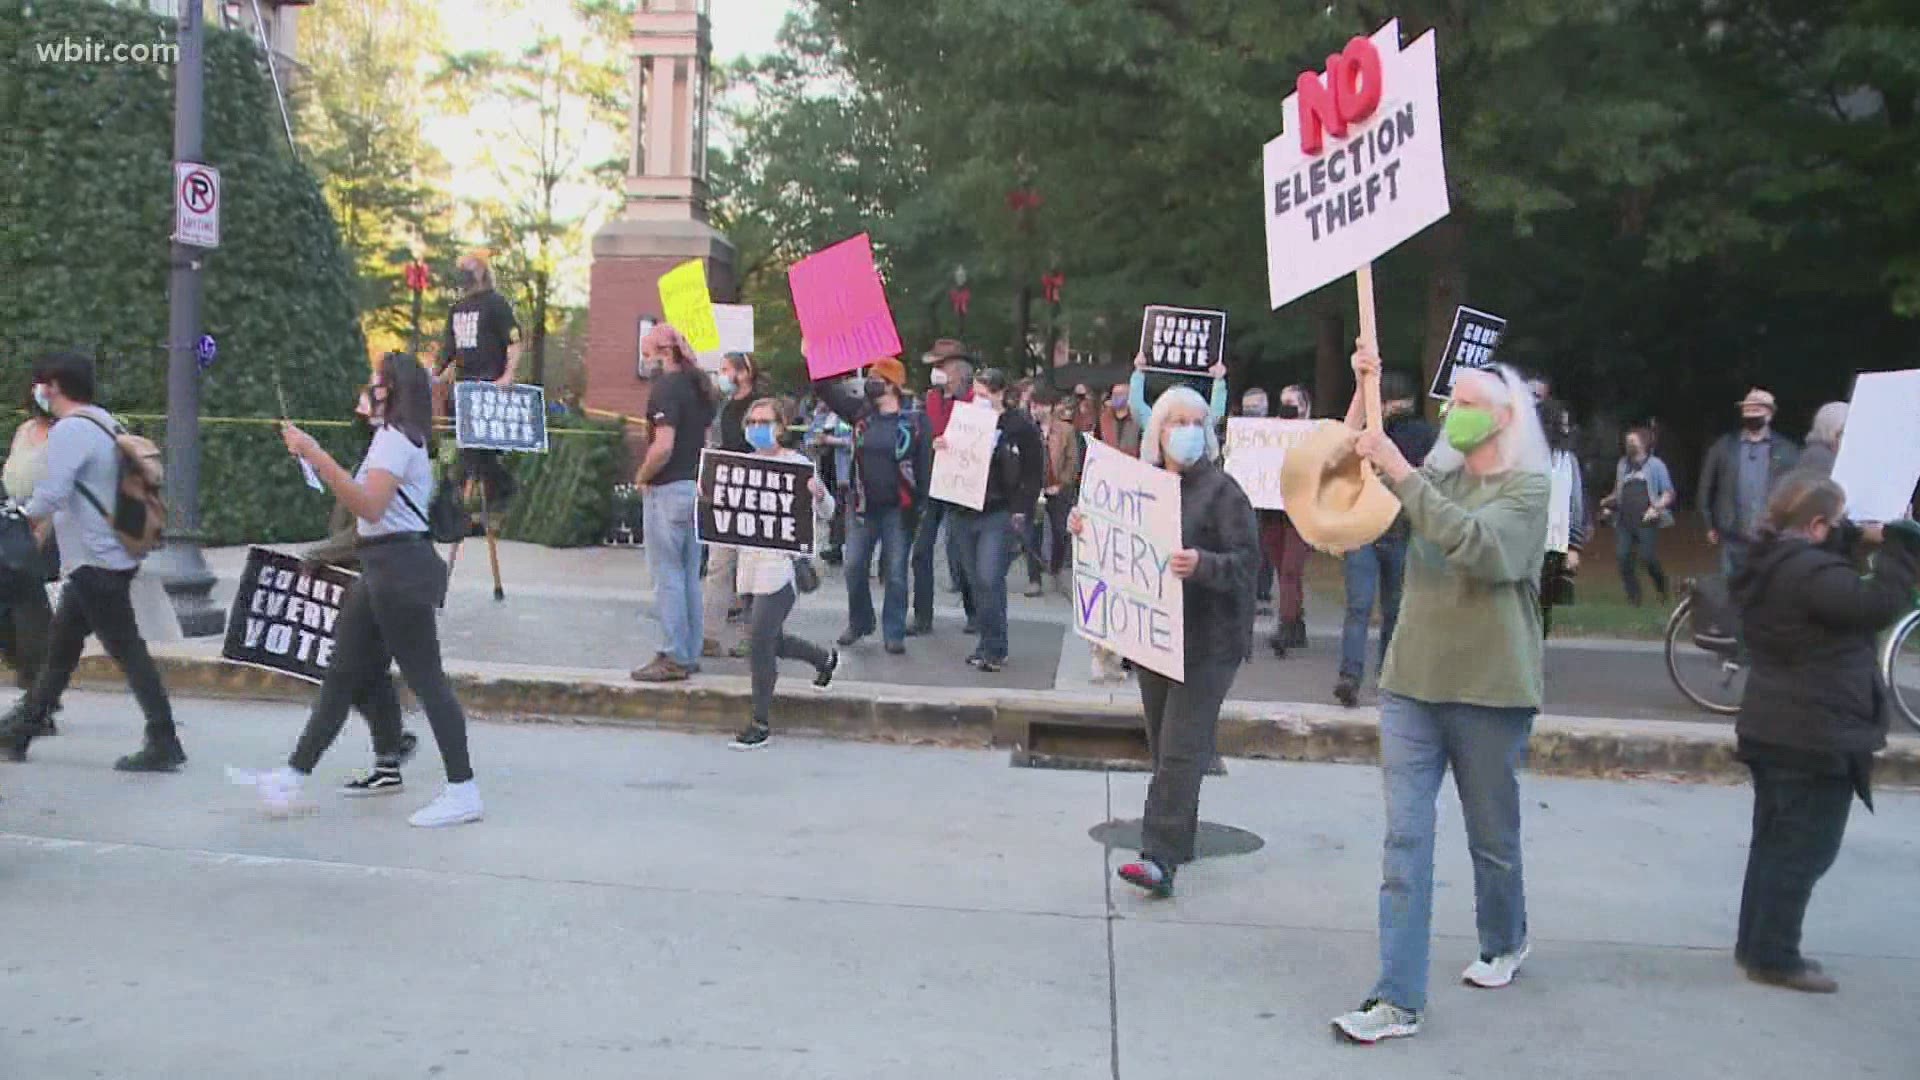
(673, 558)
(1733, 555)
(986, 554)
(1639, 543)
(886, 529)
(1375, 570)
(1485, 746)
(925, 539)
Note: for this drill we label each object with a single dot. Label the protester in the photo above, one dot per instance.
(1086, 410)
(1254, 406)
(1119, 425)
(890, 456)
(1138, 405)
(1463, 679)
(1568, 526)
(1016, 472)
(79, 491)
(1215, 566)
(482, 344)
(1061, 490)
(767, 576)
(1813, 712)
(680, 405)
(1642, 504)
(1823, 439)
(738, 386)
(1740, 471)
(1376, 570)
(1033, 541)
(952, 385)
(830, 440)
(28, 616)
(1286, 550)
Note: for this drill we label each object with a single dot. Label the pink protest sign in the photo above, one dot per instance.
(842, 309)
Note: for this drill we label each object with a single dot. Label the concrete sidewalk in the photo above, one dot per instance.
(653, 905)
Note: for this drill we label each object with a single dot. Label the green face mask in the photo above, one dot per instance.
(1468, 427)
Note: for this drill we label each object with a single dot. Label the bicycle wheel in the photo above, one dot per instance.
(1712, 680)
(1900, 666)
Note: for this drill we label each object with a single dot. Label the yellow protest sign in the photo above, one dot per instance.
(685, 302)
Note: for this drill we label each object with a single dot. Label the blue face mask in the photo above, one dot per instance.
(724, 383)
(761, 436)
(1186, 445)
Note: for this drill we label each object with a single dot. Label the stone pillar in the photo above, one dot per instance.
(664, 222)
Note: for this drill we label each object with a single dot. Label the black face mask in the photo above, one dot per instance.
(1289, 412)
(1754, 423)
(1842, 538)
(470, 279)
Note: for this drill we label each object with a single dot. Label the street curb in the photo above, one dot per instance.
(1261, 731)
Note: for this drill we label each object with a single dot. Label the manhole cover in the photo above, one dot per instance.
(1211, 841)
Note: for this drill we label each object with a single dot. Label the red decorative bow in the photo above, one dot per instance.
(1050, 286)
(1020, 199)
(960, 298)
(416, 276)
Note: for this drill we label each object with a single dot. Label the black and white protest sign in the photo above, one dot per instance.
(1184, 341)
(283, 616)
(489, 417)
(1476, 335)
(751, 501)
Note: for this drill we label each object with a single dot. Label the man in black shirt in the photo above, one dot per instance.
(482, 344)
(680, 406)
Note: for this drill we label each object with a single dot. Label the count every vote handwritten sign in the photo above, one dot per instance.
(1125, 598)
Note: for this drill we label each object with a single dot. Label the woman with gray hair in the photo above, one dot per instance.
(1216, 563)
(1463, 678)
(1823, 440)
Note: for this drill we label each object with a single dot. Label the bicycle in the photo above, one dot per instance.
(1708, 669)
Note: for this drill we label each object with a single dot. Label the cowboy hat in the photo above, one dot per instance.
(946, 349)
(1757, 401)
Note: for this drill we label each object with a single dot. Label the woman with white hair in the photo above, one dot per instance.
(1216, 562)
(1463, 679)
(1823, 440)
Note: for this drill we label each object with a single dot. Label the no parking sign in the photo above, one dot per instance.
(196, 204)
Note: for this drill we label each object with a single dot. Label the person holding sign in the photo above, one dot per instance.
(767, 577)
(1137, 390)
(738, 386)
(1016, 471)
(1215, 568)
(482, 344)
(1463, 677)
(1375, 571)
(889, 453)
(390, 613)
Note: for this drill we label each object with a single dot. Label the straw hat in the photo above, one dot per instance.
(1757, 403)
(1334, 498)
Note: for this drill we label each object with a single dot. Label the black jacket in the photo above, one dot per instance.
(1019, 467)
(1216, 519)
(1809, 620)
(1720, 478)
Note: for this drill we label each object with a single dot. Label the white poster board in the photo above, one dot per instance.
(1879, 459)
(1125, 598)
(736, 327)
(1255, 451)
(1368, 185)
(960, 470)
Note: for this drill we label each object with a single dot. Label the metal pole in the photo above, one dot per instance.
(180, 565)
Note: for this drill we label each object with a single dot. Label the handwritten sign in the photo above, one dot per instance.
(283, 615)
(688, 306)
(736, 327)
(960, 471)
(1256, 449)
(842, 308)
(1184, 341)
(1125, 599)
(1358, 169)
(1879, 459)
(751, 501)
(1476, 336)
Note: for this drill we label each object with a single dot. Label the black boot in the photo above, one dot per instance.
(19, 728)
(1296, 631)
(158, 755)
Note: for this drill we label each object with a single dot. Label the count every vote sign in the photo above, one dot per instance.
(755, 501)
(1125, 598)
(284, 613)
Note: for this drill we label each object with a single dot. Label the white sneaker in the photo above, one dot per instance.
(457, 804)
(279, 790)
(1377, 1020)
(1497, 972)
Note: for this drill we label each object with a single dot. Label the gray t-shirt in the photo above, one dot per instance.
(395, 453)
(79, 454)
(1753, 482)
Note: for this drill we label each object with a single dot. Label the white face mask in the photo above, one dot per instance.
(41, 399)
(939, 377)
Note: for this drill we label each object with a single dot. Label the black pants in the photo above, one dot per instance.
(100, 602)
(490, 468)
(1058, 508)
(1799, 818)
(1181, 721)
(25, 621)
(389, 615)
(772, 644)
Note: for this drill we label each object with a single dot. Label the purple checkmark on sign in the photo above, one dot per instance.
(1090, 601)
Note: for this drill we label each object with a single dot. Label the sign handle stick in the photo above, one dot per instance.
(1370, 386)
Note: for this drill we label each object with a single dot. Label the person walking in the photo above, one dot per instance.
(1814, 710)
(1016, 472)
(1286, 551)
(1642, 504)
(1463, 679)
(1255, 406)
(1740, 471)
(952, 377)
(737, 384)
(482, 344)
(767, 577)
(1215, 564)
(1823, 439)
(78, 492)
(830, 440)
(890, 455)
(679, 408)
(1061, 490)
(27, 615)
(390, 612)
(1568, 525)
(1375, 571)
